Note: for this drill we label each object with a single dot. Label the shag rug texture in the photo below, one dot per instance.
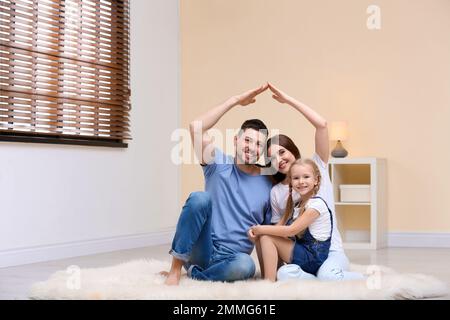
(139, 279)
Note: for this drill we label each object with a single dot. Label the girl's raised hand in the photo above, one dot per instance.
(279, 95)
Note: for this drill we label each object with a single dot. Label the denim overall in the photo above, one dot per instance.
(310, 253)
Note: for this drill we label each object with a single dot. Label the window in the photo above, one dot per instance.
(64, 71)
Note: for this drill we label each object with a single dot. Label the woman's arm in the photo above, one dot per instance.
(321, 136)
(298, 225)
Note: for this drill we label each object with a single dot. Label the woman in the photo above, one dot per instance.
(284, 153)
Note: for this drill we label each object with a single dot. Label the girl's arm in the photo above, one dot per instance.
(321, 136)
(298, 225)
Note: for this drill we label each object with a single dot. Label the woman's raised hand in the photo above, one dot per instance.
(248, 97)
(279, 95)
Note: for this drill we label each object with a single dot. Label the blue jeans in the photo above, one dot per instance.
(193, 245)
(334, 268)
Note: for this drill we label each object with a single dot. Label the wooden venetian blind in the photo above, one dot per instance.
(64, 68)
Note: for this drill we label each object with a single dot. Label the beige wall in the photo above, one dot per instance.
(391, 85)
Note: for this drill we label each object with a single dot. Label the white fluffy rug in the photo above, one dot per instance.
(138, 279)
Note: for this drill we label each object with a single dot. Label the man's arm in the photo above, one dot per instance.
(200, 126)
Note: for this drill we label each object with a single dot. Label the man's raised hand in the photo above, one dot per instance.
(248, 97)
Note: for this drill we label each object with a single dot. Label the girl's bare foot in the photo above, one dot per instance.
(173, 278)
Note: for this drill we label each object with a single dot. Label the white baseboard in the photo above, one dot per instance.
(418, 240)
(15, 257)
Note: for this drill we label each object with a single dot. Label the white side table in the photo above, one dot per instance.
(362, 225)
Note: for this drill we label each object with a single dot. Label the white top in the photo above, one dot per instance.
(278, 198)
(280, 193)
(321, 227)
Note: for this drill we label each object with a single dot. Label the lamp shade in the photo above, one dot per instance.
(338, 131)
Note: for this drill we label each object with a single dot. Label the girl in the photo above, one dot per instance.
(311, 225)
(284, 153)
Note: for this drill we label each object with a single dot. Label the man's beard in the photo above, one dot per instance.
(253, 159)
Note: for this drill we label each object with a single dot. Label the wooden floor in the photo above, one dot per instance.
(16, 281)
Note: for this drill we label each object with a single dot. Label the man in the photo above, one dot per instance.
(211, 239)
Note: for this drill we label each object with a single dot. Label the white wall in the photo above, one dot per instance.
(59, 201)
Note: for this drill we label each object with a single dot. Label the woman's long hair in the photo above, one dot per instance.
(289, 211)
(287, 143)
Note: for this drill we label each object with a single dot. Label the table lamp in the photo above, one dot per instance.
(338, 132)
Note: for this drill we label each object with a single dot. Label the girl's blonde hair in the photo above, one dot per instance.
(290, 203)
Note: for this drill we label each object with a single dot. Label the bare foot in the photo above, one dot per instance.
(163, 273)
(173, 279)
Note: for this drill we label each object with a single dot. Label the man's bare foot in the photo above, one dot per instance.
(173, 278)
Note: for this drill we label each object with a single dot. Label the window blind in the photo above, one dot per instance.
(64, 69)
